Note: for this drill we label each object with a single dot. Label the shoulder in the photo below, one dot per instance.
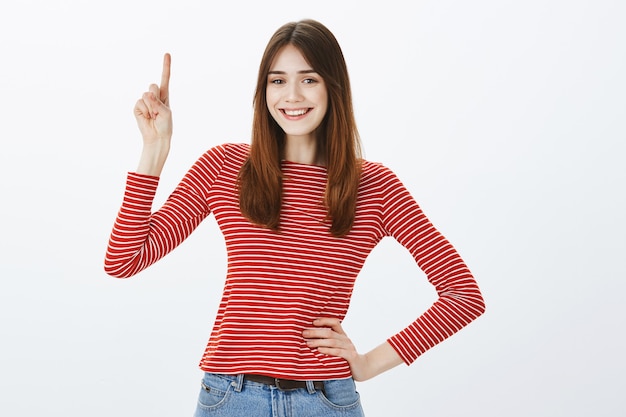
(237, 150)
(375, 172)
(379, 179)
(234, 150)
(231, 152)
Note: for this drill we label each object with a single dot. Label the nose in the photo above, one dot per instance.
(293, 92)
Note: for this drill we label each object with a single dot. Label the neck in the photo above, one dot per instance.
(302, 150)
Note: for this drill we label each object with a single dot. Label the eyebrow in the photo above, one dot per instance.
(308, 71)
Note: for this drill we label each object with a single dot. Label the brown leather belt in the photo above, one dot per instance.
(282, 384)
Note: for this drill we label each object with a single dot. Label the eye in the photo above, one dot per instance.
(277, 81)
(309, 81)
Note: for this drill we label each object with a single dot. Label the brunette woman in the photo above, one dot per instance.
(300, 211)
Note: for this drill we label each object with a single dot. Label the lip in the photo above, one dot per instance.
(296, 114)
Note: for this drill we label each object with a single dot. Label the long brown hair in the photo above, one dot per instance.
(260, 178)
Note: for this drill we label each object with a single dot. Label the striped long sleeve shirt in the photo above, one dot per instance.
(277, 283)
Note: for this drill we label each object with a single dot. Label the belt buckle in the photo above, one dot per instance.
(277, 383)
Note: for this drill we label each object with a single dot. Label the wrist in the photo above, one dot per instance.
(153, 157)
(361, 368)
(375, 362)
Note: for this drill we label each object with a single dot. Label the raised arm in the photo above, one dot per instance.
(139, 237)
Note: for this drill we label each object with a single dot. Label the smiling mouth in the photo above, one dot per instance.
(295, 112)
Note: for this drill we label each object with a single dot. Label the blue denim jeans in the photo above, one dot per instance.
(231, 396)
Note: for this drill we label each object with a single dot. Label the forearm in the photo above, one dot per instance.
(375, 362)
(125, 255)
(139, 238)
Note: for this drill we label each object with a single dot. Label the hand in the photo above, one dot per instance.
(329, 338)
(152, 111)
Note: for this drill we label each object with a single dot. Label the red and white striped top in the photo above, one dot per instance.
(277, 283)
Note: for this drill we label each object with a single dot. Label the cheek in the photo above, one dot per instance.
(272, 110)
(270, 100)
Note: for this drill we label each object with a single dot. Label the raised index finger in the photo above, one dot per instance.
(165, 79)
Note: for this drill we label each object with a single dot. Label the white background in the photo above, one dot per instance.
(504, 118)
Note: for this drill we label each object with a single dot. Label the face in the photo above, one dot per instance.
(296, 95)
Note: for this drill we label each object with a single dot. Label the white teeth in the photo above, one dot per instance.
(295, 112)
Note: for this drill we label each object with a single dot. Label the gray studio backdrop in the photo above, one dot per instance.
(505, 119)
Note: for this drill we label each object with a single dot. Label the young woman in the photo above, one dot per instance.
(300, 212)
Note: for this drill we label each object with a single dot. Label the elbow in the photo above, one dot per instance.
(481, 308)
(117, 271)
(479, 305)
(472, 303)
(121, 265)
